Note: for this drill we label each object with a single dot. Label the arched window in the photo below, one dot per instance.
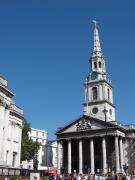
(95, 65)
(108, 94)
(94, 92)
(99, 64)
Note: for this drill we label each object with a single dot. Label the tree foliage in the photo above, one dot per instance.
(29, 148)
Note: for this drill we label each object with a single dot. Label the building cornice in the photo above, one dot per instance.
(6, 90)
(16, 114)
(99, 102)
(90, 134)
(99, 82)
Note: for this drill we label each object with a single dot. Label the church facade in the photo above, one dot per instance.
(96, 142)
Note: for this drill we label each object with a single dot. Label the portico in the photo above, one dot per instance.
(89, 150)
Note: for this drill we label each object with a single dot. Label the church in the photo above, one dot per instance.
(95, 141)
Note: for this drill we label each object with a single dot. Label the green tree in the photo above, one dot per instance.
(29, 148)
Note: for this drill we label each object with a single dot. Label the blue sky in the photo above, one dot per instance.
(45, 46)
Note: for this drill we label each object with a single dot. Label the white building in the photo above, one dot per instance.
(11, 118)
(95, 140)
(39, 136)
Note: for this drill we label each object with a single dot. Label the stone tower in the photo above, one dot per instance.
(98, 88)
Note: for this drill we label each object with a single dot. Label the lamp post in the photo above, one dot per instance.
(35, 160)
(106, 135)
(35, 163)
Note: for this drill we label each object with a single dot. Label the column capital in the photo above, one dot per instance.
(59, 141)
(2, 103)
(91, 138)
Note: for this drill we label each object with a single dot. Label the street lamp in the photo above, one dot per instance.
(106, 138)
(105, 112)
(35, 163)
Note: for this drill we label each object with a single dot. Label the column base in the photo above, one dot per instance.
(117, 171)
(69, 172)
(58, 171)
(81, 171)
(105, 171)
(92, 172)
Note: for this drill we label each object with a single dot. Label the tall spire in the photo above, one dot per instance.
(98, 88)
(97, 47)
(97, 61)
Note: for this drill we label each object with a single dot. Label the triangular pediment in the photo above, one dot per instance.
(85, 123)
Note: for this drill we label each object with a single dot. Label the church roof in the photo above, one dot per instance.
(98, 95)
(94, 122)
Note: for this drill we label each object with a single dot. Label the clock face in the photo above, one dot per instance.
(95, 110)
(94, 76)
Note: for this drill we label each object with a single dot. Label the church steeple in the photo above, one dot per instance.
(97, 61)
(97, 47)
(98, 89)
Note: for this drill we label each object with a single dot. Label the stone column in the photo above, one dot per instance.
(19, 145)
(92, 155)
(80, 157)
(2, 124)
(117, 155)
(58, 156)
(69, 156)
(5, 134)
(121, 155)
(104, 155)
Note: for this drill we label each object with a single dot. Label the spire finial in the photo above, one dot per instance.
(97, 47)
(95, 23)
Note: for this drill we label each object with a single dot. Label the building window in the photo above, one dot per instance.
(7, 152)
(110, 111)
(36, 133)
(95, 65)
(29, 166)
(99, 64)
(108, 94)
(14, 159)
(94, 92)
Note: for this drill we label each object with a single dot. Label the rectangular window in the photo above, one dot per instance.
(14, 159)
(7, 152)
(29, 166)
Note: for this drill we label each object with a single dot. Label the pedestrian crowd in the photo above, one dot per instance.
(76, 176)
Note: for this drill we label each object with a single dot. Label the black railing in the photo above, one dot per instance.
(6, 171)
